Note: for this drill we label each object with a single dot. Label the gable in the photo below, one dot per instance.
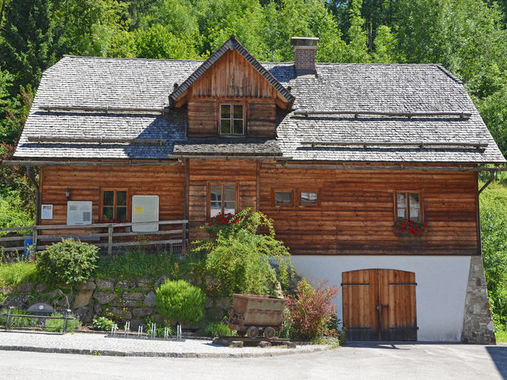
(233, 76)
(231, 72)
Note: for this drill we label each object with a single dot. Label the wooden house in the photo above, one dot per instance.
(333, 153)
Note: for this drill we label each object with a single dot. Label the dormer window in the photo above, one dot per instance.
(232, 120)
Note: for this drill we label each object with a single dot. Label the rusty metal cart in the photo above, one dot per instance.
(256, 315)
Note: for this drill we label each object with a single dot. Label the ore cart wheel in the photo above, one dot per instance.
(269, 332)
(252, 332)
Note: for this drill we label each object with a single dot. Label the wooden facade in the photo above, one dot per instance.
(232, 80)
(354, 213)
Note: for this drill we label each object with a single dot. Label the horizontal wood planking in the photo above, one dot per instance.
(356, 211)
(205, 172)
(85, 184)
(202, 118)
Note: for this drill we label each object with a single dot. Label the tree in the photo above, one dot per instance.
(385, 46)
(89, 27)
(357, 50)
(158, 42)
(27, 45)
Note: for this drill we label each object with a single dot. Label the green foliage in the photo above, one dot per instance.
(58, 325)
(103, 324)
(180, 301)
(239, 258)
(158, 42)
(13, 274)
(16, 322)
(493, 207)
(216, 329)
(27, 40)
(141, 264)
(68, 262)
(12, 214)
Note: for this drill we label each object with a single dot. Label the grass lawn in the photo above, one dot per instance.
(16, 273)
(501, 335)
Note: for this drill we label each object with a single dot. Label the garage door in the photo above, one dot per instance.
(379, 304)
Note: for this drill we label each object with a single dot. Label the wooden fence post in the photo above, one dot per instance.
(34, 242)
(110, 239)
(184, 238)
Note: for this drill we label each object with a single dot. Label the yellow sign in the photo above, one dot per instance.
(138, 210)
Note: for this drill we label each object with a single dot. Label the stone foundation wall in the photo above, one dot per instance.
(120, 300)
(477, 325)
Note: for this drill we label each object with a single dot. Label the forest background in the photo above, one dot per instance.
(467, 36)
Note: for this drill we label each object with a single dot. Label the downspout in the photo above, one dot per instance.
(491, 178)
(31, 178)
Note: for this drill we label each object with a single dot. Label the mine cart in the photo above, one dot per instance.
(254, 315)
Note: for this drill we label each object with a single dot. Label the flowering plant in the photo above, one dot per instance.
(405, 226)
(105, 220)
(220, 220)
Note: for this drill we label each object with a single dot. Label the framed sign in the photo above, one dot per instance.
(46, 212)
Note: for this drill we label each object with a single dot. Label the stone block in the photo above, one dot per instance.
(39, 288)
(104, 284)
(121, 313)
(82, 298)
(134, 296)
(236, 344)
(264, 344)
(142, 312)
(18, 300)
(130, 303)
(104, 298)
(24, 287)
(149, 300)
(144, 284)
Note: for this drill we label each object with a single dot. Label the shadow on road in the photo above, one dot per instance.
(499, 356)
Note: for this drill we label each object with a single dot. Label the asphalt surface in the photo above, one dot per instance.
(356, 361)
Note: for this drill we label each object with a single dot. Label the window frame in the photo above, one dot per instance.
(115, 205)
(407, 203)
(282, 205)
(222, 184)
(300, 202)
(231, 119)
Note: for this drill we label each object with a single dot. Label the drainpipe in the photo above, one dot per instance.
(31, 178)
(491, 178)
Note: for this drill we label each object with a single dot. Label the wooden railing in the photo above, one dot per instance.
(98, 231)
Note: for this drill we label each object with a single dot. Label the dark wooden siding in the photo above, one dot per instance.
(86, 182)
(242, 173)
(355, 214)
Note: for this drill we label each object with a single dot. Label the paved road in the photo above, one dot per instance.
(422, 361)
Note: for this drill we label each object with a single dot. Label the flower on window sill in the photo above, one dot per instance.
(220, 221)
(408, 227)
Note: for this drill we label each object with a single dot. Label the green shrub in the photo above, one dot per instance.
(239, 258)
(13, 214)
(180, 301)
(103, 323)
(59, 324)
(216, 329)
(68, 262)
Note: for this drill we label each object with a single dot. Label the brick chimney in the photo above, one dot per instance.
(304, 52)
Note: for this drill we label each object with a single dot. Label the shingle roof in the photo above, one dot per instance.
(125, 85)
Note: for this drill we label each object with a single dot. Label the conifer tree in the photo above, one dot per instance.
(27, 40)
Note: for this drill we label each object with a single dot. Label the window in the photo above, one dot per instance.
(308, 198)
(114, 204)
(232, 119)
(408, 205)
(222, 199)
(283, 198)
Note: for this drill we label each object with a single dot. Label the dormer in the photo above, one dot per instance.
(231, 95)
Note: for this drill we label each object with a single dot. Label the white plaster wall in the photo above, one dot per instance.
(440, 292)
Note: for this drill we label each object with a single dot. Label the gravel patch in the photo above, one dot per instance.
(94, 344)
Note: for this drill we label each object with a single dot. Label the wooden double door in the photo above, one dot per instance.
(379, 304)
